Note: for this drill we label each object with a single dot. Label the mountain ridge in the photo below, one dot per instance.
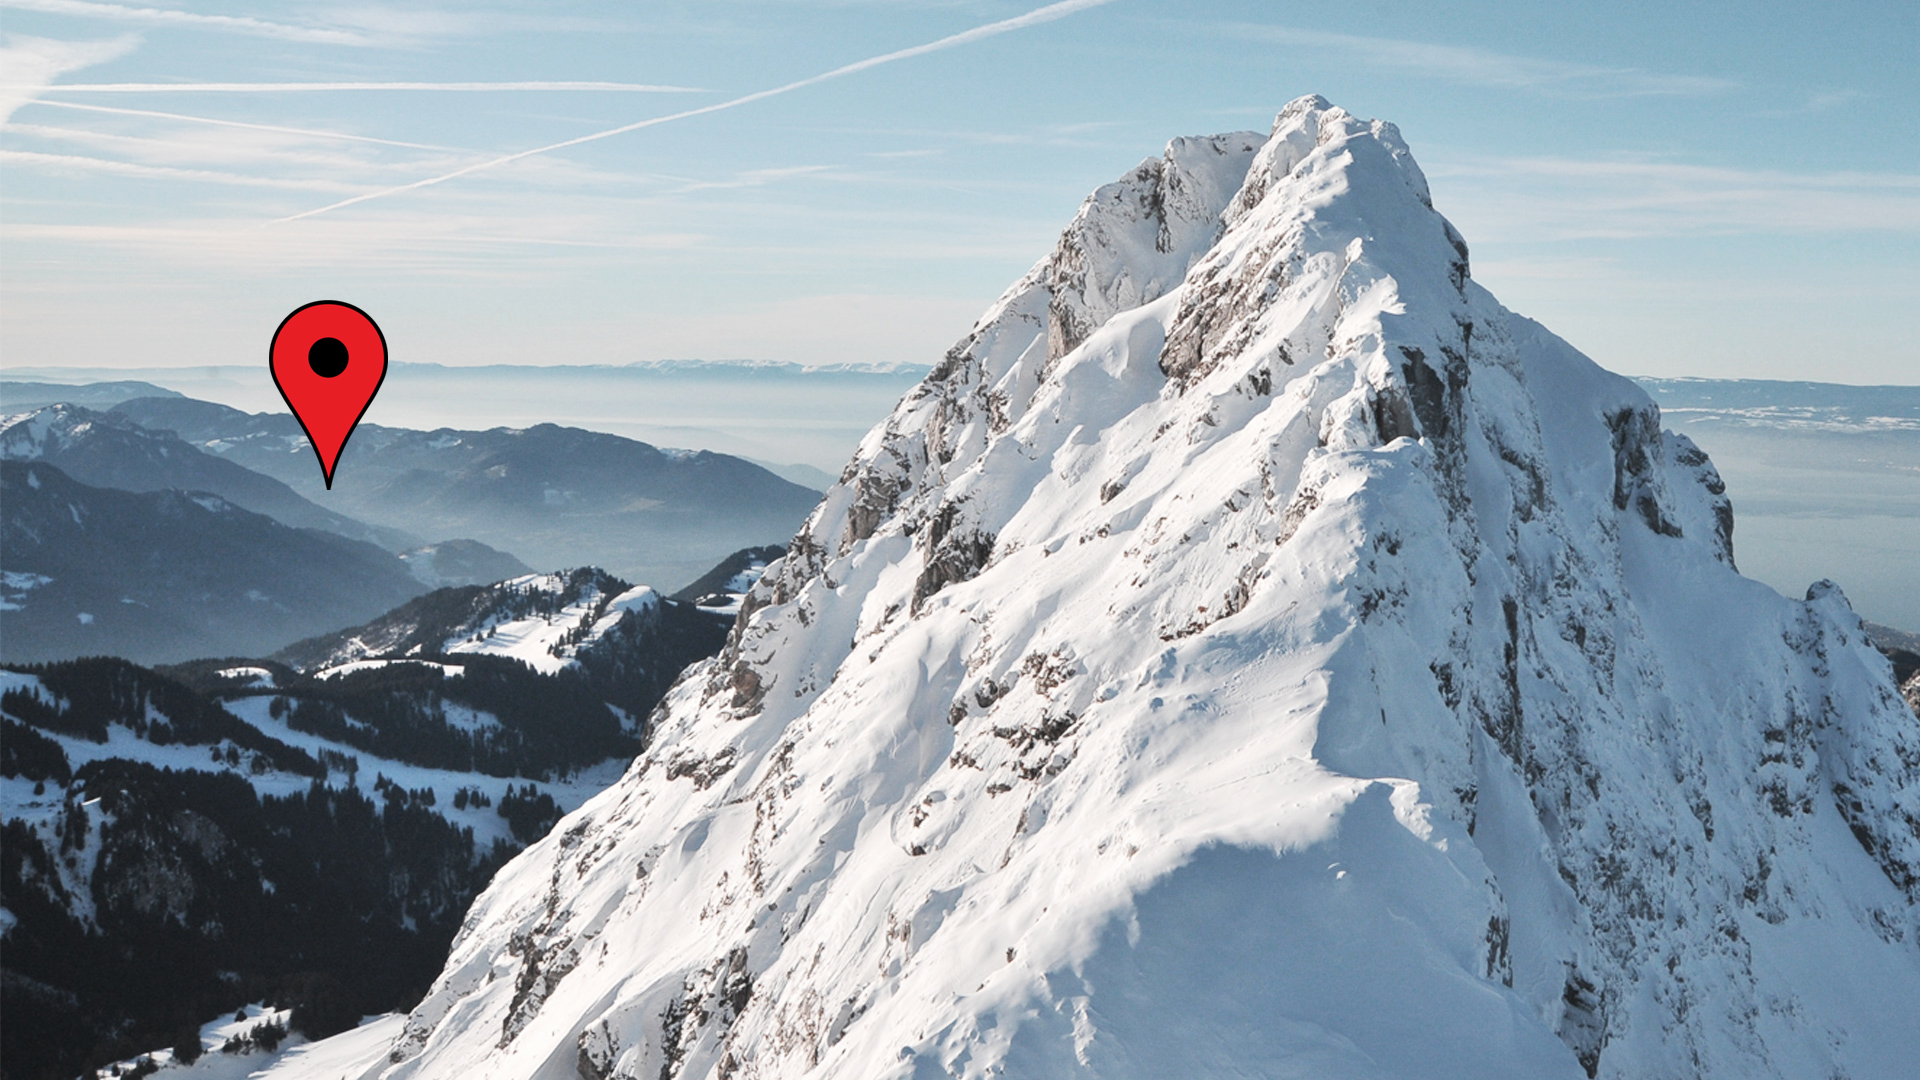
(552, 495)
(107, 450)
(169, 575)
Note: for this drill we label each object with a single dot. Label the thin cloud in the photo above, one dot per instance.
(223, 148)
(307, 132)
(1482, 67)
(30, 63)
(1018, 22)
(168, 17)
(72, 162)
(1523, 200)
(323, 87)
(1817, 103)
(749, 179)
(443, 245)
(1047, 135)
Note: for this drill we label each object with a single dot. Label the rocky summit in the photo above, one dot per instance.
(1253, 651)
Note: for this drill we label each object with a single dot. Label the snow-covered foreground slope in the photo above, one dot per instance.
(1252, 652)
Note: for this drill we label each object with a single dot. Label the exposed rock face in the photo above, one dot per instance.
(1251, 652)
(1135, 239)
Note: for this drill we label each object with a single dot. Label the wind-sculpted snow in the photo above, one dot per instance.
(1252, 651)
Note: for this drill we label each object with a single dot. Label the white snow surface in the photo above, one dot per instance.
(212, 1064)
(447, 671)
(25, 436)
(346, 1055)
(15, 585)
(541, 641)
(1372, 696)
(254, 676)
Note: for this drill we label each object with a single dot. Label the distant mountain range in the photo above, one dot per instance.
(767, 367)
(200, 571)
(158, 552)
(1780, 403)
(162, 576)
(18, 396)
(775, 414)
(553, 496)
(109, 450)
(461, 562)
(1824, 478)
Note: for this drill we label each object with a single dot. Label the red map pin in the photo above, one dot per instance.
(329, 359)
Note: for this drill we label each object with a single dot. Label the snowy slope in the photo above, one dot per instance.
(227, 1055)
(1253, 651)
(547, 621)
(549, 642)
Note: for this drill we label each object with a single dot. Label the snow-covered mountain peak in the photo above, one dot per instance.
(1251, 651)
(29, 435)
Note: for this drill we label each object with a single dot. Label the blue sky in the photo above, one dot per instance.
(1724, 190)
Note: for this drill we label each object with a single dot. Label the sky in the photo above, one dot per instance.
(1709, 189)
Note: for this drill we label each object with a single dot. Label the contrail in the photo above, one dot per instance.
(237, 124)
(1031, 18)
(311, 87)
(163, 17)
(163, 172)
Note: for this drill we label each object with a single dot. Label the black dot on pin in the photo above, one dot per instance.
(327, 357)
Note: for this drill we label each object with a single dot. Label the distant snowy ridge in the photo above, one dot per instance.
(550, 642)
(230, 1048)
(24, 435)
(1251, 651)
(783, 367)
(543, 620)
(1810, 405)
